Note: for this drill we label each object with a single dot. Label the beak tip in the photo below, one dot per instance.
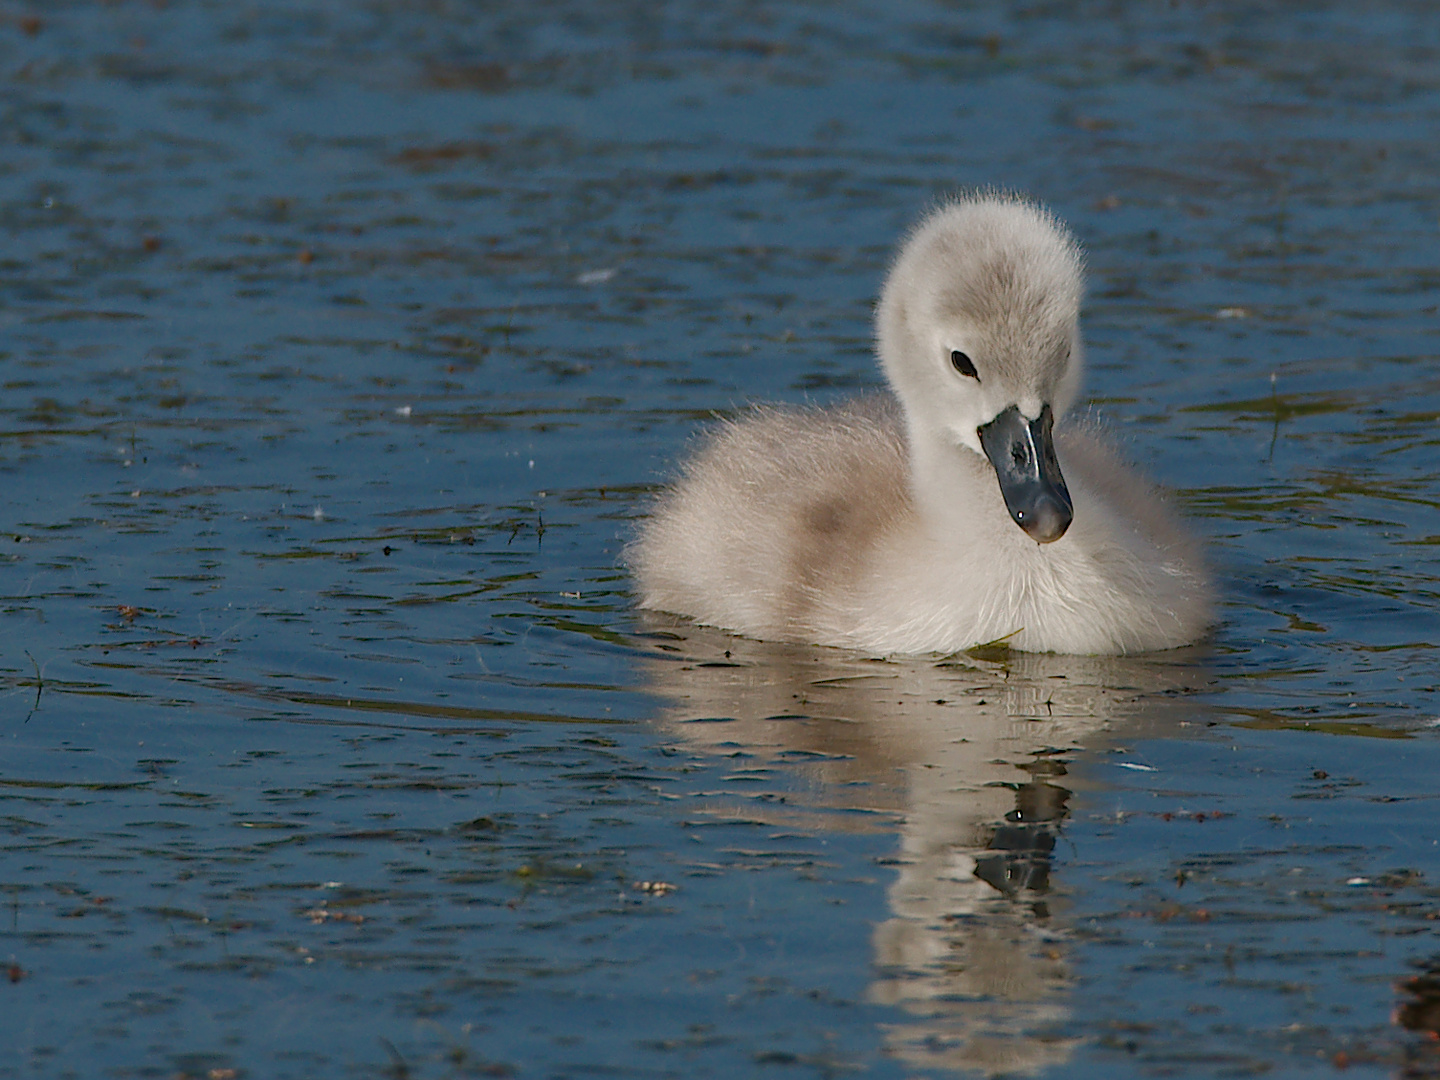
(1045, 523)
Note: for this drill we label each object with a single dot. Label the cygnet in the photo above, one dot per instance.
(962, 508)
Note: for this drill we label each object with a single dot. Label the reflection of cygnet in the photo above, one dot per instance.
(965, 759)
(984, 980)
(940, 518)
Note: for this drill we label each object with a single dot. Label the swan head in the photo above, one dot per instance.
(978, 329)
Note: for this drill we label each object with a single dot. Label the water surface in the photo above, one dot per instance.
(343, 345)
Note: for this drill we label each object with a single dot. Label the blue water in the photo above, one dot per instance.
(343, 344)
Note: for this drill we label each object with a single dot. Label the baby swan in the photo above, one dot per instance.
(950, 514)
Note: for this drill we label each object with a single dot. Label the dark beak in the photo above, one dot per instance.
(1023, 454)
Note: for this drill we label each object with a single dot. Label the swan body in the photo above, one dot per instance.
(946, 514)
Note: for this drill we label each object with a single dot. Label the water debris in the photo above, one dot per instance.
(323, 914)
(430, 157)
(595, 277)
(403, 410)
(39, 686)
(318, 514)
(1136, 766)
(476, 825)
(654, 888)
(1422, 1012)
(1233, 313)
(399, 1068)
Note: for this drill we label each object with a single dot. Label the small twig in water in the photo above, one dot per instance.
(399, 1067)
(39, 687)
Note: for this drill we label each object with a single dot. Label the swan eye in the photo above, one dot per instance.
(964, 365)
